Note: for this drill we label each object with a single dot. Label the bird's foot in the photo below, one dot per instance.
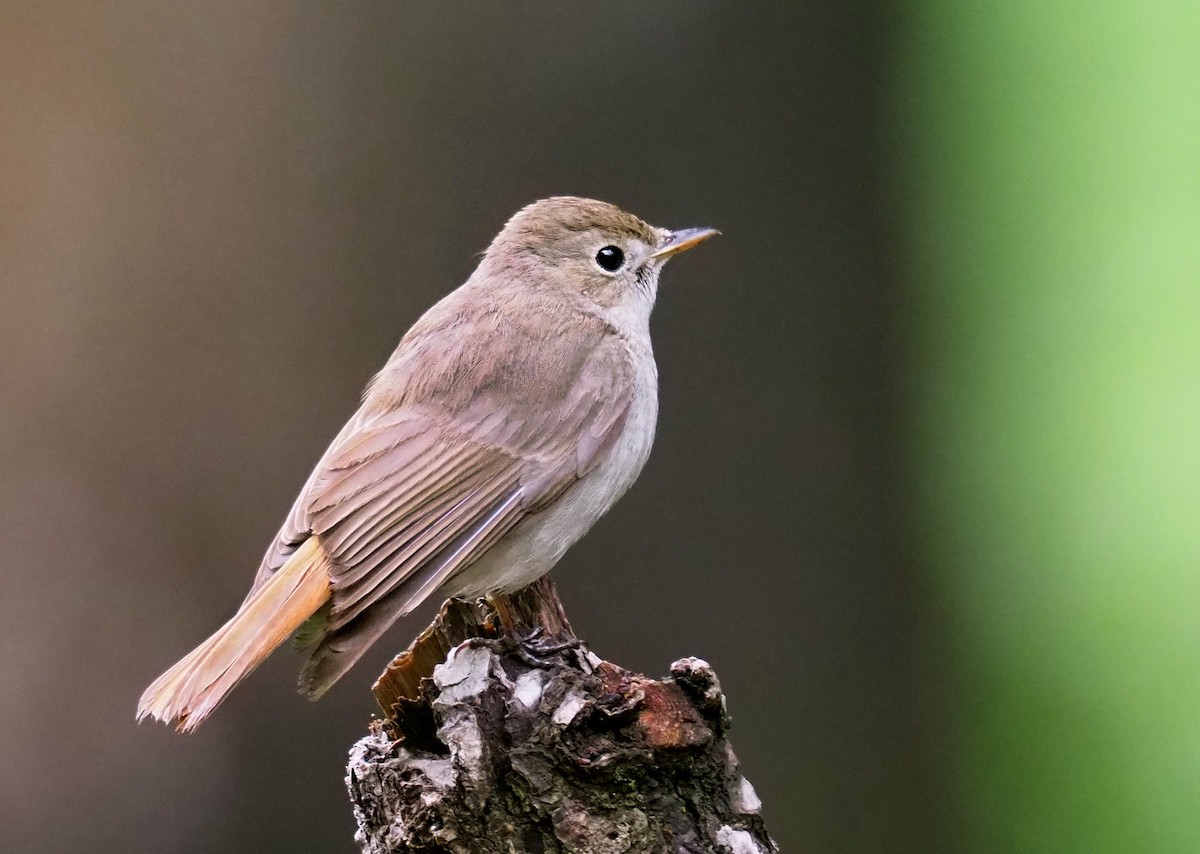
(533, 649)
(537, 651)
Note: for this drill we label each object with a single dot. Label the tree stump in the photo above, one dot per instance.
(489, 745)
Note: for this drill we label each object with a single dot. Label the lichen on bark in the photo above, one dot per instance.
(498, 752)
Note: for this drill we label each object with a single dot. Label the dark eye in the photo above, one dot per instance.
(610, 258)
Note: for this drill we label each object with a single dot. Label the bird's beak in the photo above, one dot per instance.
(682, 240)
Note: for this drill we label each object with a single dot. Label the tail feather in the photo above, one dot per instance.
(191, 689)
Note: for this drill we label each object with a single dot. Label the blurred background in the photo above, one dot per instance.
(927, 474)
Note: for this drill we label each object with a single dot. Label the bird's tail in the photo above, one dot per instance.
(190, 690)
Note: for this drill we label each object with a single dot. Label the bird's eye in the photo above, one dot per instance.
(610, 258)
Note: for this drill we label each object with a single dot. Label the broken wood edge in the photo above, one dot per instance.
(535, 608)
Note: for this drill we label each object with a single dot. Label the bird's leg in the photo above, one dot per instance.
(500, 607)
(528, 646)
(540, 654)
(506, 644)
(543, 648)
(535, 649)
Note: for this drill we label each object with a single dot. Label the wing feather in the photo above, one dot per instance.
(354, 486)
(350, 533)
(339, 651)
(352, 567)
(476, 503)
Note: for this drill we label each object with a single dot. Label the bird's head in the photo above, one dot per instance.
(582, 247)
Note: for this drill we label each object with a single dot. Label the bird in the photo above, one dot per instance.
(509, 419)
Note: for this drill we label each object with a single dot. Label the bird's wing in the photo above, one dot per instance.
(454, 445)
(296, 527)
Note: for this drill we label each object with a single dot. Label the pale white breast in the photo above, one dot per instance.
(532, 548)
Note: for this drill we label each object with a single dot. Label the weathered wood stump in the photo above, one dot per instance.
(491, 745)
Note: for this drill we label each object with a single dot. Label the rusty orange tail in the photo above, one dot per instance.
(191, 689)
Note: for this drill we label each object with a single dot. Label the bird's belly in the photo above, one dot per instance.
(532, 548)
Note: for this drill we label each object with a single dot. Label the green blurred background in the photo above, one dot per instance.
(1051, 192)
(927, 468)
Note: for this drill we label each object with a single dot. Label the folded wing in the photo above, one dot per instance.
(429, 475)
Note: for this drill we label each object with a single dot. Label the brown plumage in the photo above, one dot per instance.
(509, 418)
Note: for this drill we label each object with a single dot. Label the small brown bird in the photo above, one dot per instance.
(510, 418)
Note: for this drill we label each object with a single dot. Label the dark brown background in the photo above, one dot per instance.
(218, 220)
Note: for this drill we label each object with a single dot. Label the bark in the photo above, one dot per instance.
(488, 746)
